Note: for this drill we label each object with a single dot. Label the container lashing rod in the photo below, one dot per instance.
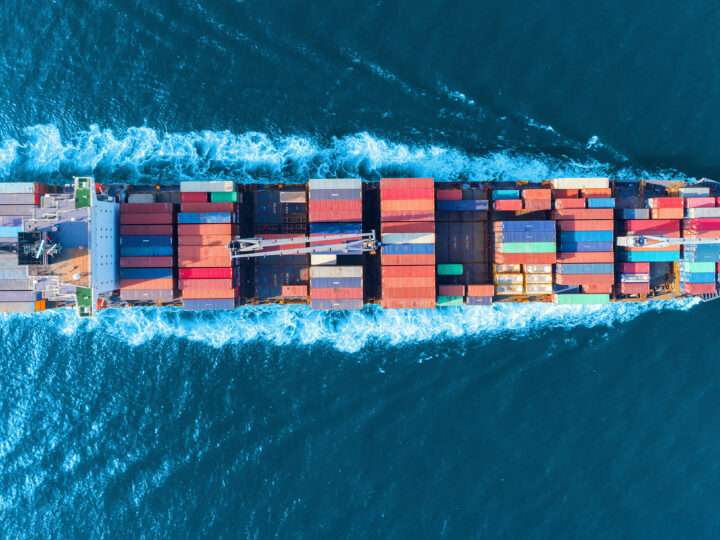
(242, 248)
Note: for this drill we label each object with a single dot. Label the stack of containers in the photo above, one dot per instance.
(520, 243)
(206, 223)
(536, 199)
(17, 202)
(584, 214)
(335, 207)
(147, 251)
(281, 215)
(461, 245)
(407, 215)
(698, 269)
(634, 278)
(507, 200)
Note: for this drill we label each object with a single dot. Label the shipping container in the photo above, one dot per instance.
(635, 213)
(538, 288)
(596, 192)
(665, 202)
(334, 183)
(538, 278)
(449, 269)
(508, 279)
(596, 288)
(225, 197)
(294, 290)
(526, 247)
(329, 293)
(586, 236)
(147, 294)
(205, 217)
(197, 294)
(141, 198)
(209, 303)
(507, 268)
(478, 300)
(19, 307)
(336, 283)
(698, 288)
(146, 230)
(146, 208)
(408, 249)
(205, 284)
(523, 226)
(293, 197)
(484, 289)
(566, 193)
(408, 215)
(408, 303)
(606, 202)
(524, 237)
(700, 202)
(337, 303)
(406, 183)
(321, 259)
(509, 289)
(463, 206)
(586, 246)
(205, 240)
(145, 262)
(533, 194)
(403, 227)
(582, 213)
(408, 238)
(525, 258)
(207, 186)
(702, 212)
(585, 225)
(336, 271)
(146, 284)
(650, 256)
(633, 288)
(147, 219)
(408, 271)
(449, 301)
(580, 183)
(146, 273)
(199, 229)
(335, 228)
(537, 268)
(407, 194)
(505, 194)
(578, 299)
(508, 205)
(667, 213)
(413, 281)
(212, 207)
(581, 279)
(451, 290)
(584, 268)
(151, 240)
(693, 191)
(537, 204)
(407, 260)
(192, 197)
(449, 194)
(569, 203)
(634, 278)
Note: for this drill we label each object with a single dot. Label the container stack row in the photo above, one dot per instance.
(18, 201)
(282, 215)
(407, 214)
(462, 249)
(147, 251)
(335, 208)
(698, 268)
(523, 244)
(583, 209)
(206, 223)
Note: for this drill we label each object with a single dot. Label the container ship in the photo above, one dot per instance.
(338, 244)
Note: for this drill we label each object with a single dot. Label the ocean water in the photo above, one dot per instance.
(508, 421)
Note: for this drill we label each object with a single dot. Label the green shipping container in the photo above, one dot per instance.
(692, 266)
(449, 269)
(526, 247)
(229, 196)
(444, 301)
(579, 299)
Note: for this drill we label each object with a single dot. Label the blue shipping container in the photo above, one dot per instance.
(335, 228)
(336, 283)
(607, 202)
(146, 240)
(525, 236)
(573, 247)
(650, 256)
(586, 236)
(10, 232)
(702, 256)
(478, 300)
(408, 249)
(698, 277)
(584, 268)
(459, 206)
(146, 251)
(635, 213)
(205, 217)
(499, 194)
(146, 273)
(211, 303)
(511, 226)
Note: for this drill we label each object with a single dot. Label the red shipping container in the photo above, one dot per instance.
(147, 284)
(701, 234)
(201, 229)
(208, 207)
(597, 288)
(635, 267)
(336, 294)
(487, 289)
(207, 240)
(585, 225)
(407, 215)
(508, 205)
(536, 194)
(586, 257)
(204, 262)
(651, 225)
(408, 271)
(667, 213)
(341, 208)
(408, 292)
(410, 194)
(406, 183)
(205, 273)
(700, 202)
(584, 279)
(405, 303)
(582, 213)
(451, 290)
(407, 260)
(146, 230)
(143, 208)
(294, 290)
(596, 193)
(524, 258)
(570, 203)
(566, 193)
(147, 219)
(205, 284)
(405, 204)
(200, 294)
(192, 197)
(449, 194)
(146, 262)
(537, 204)
(700, 288)
(316, 216)
(717, 201)
(665, 202)
(413, 281)
(407, 227)
(632, 288)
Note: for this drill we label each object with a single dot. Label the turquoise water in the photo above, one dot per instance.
(510, 421)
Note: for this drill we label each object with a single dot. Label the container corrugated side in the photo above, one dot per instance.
(451, 290)
(145, 273)
(406, 183)
(330, 293)
(584, 268)
(583, 213)
(408, 238)
(581, 279)
(294, 291)
(412, 281)
(205, 217)
(207, 186)
(146, 284)
(449, 301)
(507, 268)
(335, 271)
(209, 303)
(484, 289)
(213, 207)
(337, 303)
(408, 271)
(538, 288)
(408, 303)
(586, 257)
(579, 299)
(145, 262)
(225, 197)
(586, 236)
(523, 226)
(205, 284)
(508, 279)
(408, 292)
(524, 236)
(448, 194)
(150, 240)
(198, 294)
(537, 269)
(478, 300)
(217, 240)
(145, 208)
(336, 282)
(146, 230)
(335, 195)
(20, 296)
(206, 273)
(580, 183)
(335, 183)
(206, 229)
(585, 225)
(524, 258)
(538, 278)
(295, 197)
(526, 247)
(406, 260)
(18, 307)
(147, 294)
(147, 219)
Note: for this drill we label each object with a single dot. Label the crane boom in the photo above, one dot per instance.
(655, 241)
(245, 248)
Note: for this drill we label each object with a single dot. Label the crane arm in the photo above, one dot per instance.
(244, 248)
(655, 241)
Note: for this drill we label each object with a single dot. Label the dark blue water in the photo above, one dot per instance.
(524, 421)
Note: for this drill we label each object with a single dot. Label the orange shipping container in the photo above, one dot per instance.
(565, 193)
(406, 303)
(202, 294)
(537, 204)
(201, 229)
(408, 292)
(206, 240)
(597, 288)
(394, 205)
(406, 183)
(535, 194)
(408, 215)
(407, 260)
(336, 294)
(667, 213)
(408, 271)
(415, 281)
(205, 284)
(584, 279)
(524, 258)
(481, 290)
(147, 284)
(294, 290)
(570, 203)
(204, 262)
(596, 193)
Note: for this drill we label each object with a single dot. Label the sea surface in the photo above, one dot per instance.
(526, 421)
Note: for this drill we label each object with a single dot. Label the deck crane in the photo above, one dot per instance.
(243, 248)
(656, 241)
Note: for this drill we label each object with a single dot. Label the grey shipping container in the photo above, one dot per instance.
(336, 283)
(337, 304)
(478, 300)
(16, 209)
(141, 198)
(216, 303)
(20, 296)
(17, 198)
(17, 307)
(154, 294)
(14, 273)
(335, 194)
(16, 285)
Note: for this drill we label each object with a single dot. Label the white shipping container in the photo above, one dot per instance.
(335, 183)
(507, 268)
(141, 198)
(509, 289)
(293, 197)
(18, 187)
(17, 307)
(694, 191)
(702, 212)
(538, 278)
(506, 279)
(408, 238)
(580, 183)
(212, 186)
(316, 260)
(538, 268)
(538, 288)
(336, 271)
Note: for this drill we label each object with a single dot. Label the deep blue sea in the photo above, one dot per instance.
(503, 422)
